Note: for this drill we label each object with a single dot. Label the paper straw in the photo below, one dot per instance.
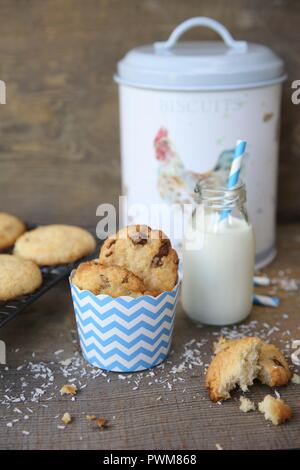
(265, 300)
(261, 281)
(235, 170)
(236, 163)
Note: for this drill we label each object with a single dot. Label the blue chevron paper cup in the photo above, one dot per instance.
(124, 334)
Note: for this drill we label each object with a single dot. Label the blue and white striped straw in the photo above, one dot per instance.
(236, 164)
(265, 301)
(235, 170)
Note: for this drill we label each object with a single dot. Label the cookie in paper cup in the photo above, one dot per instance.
(124, 334)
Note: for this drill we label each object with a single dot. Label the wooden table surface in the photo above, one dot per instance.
(166, 408)
(59, 129)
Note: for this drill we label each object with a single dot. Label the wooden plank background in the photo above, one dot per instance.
(59, 141)
(59, 159)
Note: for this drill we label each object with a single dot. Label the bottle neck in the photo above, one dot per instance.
(220, 198)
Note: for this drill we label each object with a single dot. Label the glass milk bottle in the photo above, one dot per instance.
(218, 256)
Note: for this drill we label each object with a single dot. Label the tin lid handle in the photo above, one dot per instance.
(239, 46)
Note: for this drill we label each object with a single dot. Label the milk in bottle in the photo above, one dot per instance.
(218, 257)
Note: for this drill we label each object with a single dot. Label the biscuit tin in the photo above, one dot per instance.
(183, 105)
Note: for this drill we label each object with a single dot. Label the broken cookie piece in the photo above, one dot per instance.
(246, 405)
(275, 410)
(238, 362)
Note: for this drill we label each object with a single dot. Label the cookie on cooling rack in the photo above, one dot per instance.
(10, 229)
(17, 277)
(110, 280)
(49, 245)
(147, 253)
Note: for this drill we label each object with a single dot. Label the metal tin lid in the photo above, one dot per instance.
(200, 65)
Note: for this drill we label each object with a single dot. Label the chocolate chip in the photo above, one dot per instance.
(110, 243)
(163, 251)
(278, 363)
(139, 238)
(156, 262)
(104, 281)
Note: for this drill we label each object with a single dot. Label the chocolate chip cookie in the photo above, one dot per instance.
(111, 280)
(147, 253)
(10, 229)
(17, 277)
(55, 244)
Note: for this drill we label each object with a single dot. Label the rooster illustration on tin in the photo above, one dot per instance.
(175, 182)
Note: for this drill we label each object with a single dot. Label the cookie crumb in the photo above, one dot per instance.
(101, 423)
(240, 361)
(275, 410)
(66, 418)
(91, 417)
(68, 389)
(246, 405)
(296, 379)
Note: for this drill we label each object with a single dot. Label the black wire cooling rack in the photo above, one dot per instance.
(51, 276)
